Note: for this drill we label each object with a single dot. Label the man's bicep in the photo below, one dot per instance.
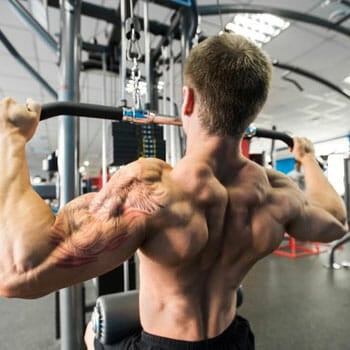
(315, 224)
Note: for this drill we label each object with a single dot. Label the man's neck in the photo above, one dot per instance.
(219, 152)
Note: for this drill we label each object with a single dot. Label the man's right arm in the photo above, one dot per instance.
(320, 213)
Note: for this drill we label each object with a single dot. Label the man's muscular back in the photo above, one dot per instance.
(202, 243)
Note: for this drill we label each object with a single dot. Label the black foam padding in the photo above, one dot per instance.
(116, 316)
(81, 109)
(275, 135)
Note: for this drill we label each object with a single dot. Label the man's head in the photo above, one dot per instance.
(230, 77)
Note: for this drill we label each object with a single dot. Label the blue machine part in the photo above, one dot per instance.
(187, 3)
(137, 113)
(285, 165)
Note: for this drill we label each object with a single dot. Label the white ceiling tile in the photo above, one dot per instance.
(293, 42)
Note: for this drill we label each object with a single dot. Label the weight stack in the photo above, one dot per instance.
(131, 141)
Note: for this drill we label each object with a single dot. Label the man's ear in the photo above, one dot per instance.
(188, 100)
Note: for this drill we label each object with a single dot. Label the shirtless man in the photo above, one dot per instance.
(198, 228)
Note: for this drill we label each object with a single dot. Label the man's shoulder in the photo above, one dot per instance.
(145, 169)
(279, 180)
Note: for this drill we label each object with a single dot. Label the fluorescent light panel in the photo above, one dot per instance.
(260, 28)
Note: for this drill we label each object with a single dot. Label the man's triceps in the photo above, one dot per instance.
(97, 223)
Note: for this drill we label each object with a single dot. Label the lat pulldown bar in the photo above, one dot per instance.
(89, 110)
(138, 117)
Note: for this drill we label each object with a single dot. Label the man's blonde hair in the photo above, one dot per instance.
(231, 77)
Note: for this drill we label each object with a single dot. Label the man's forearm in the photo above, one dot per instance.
(319, 191)
(24, 216)
(12, 162)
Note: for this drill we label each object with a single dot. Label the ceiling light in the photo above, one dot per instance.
(82, 170)
(260, 28)
(330, 2)
(347, 80)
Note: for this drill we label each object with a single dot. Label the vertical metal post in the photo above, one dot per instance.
(188, 27)
(77, 68)
(165, 81)
(175, 153)
(166, 128)
(123, 47)
(148, 73)
(185, 36)
(104, 122)
(122, 75)
(70, 298)
(347, 183)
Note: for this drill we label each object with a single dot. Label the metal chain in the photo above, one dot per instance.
(136, 77)
(134, 54)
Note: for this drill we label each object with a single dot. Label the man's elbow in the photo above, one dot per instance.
(340, 229)
(345, 227)
(340, 226)
(6, 292)
(343, 219)
(17, 288)
(18, 293)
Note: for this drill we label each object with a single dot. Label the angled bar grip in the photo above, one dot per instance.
(81, 109)
(275, 135)
(252, 131)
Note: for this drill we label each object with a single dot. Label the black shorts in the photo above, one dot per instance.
(238, 336)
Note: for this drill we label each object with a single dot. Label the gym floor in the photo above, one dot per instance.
(290, 303)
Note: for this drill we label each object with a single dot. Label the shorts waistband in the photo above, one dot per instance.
(217, 342)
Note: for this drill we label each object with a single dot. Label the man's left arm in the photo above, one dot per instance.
(94, 233)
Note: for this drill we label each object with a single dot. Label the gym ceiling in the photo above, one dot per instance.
(298, 104)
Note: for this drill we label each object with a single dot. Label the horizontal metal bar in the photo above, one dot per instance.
(312, 76)
(344, 19)
(113, 16)
(91, 10)
(94, 47)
